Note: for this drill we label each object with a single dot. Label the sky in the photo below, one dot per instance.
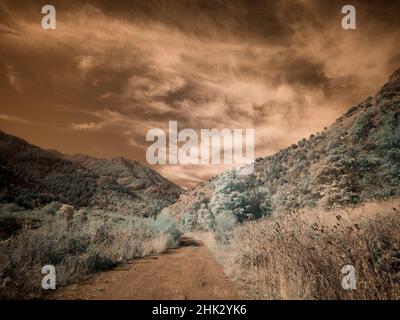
(113, 70)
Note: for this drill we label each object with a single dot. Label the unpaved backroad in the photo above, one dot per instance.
(187, 272)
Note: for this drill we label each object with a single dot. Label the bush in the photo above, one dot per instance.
(300, 255)
(188, 220)
(362, 126)
(96, 262)
(206, 218)
(78, 247)
(165, 224)
(239, 196)
(224, 222)
(52, 207)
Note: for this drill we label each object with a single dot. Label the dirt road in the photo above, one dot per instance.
(187, 272)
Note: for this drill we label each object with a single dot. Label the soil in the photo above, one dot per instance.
(187, 272)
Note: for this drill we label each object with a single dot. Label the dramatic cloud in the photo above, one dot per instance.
(110, 72)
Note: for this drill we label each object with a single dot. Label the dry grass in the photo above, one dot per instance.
(300, 255)
(76, 246)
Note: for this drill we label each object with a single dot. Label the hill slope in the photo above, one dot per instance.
(132, 175)
(31, 176)
(356, 159)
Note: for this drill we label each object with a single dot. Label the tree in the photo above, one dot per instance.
(240, 197)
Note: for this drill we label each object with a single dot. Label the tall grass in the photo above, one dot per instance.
(78, 245)
(300, 255)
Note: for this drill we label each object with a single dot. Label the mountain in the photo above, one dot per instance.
(132, 175)
(31, 176)
(354, 160)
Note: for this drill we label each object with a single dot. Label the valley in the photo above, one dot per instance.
(114, 229)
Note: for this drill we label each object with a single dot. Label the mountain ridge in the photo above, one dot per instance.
(130, 174)
(31, 176)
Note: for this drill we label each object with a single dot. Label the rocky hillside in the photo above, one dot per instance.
(356, 159)
(31, 176)
(132, 175)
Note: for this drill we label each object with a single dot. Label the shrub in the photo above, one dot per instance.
(164, 224)
(362, 126)
(78, 247)
(300, 255)
(387, 137)
(224, 222)
(95, 262)
(188, 220)
(52, 207)
(239, 196)
(206, 219)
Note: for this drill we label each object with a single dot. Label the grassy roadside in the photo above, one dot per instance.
(300, 255)
(75, 242)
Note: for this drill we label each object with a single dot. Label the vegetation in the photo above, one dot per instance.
(236, 198)
(355, 160)
(32, 177)
(300, 255)
(308, 202)
(77, 244)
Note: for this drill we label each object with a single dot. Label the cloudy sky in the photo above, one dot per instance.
(110, 72)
